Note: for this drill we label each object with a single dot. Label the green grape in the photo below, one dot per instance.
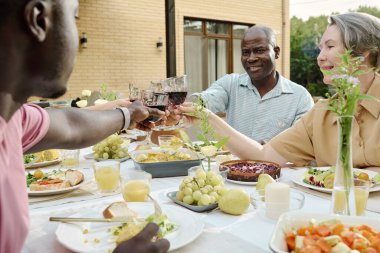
(188, 199)
(209, 188)
(200, 174)
(204, 190)
(212, 200)
(114, 145)
(205, 200)
(105, 155)
(96, 156)
(217, 188)
(210, 174)
(214, 194)
(187, 179)
(195, 187)
(182, 186)
(197, 195)
(201, 182)
(222, 191)
(106, 149)
(179, 195)
(215, 180)
(188, 191)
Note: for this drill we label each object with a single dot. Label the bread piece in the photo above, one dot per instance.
(119, 209)
(49, 184)
(74, 177)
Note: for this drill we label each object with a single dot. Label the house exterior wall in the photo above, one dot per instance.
(122, 37)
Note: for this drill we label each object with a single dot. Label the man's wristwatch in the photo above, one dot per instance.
(126, 117)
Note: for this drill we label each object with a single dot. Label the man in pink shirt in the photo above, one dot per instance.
(38, 43)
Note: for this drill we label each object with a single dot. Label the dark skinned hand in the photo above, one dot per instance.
(139, 113)
(142, 242)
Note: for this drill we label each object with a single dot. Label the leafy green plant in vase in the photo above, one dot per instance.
(206, 133)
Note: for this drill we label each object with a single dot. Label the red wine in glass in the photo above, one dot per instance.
(152, 118)
(177, 97)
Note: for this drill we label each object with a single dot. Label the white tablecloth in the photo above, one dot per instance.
(250, 232)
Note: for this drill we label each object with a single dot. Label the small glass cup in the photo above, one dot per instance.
(361, 195)
(136, 186)
(70, 158)
(107, 176)
(169, 142)
(274, 210)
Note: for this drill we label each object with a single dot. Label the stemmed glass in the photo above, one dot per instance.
(176, 88)
(134, 93)
(154, 100)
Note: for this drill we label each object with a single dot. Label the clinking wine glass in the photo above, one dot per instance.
(154, 100)
(134, 94)
(177, 90)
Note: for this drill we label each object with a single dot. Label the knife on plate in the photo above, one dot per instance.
(117, 219)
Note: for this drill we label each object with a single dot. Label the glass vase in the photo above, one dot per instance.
(343, 197)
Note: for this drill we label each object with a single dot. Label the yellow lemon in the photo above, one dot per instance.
(328, 182)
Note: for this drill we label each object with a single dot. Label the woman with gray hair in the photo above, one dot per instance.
(314, 136)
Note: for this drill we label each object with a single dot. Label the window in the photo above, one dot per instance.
(212, 49)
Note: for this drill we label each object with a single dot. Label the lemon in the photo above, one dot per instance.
(38, 174)
(328, 182)
(262, 181)
(363, 176)
(234, 201)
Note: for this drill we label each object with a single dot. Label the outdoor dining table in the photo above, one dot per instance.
(250, 232)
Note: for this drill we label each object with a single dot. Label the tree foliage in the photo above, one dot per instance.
(304, 41)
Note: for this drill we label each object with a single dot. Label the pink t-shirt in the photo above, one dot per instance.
(26, 128)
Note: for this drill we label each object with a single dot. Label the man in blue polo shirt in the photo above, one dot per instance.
(259, 103)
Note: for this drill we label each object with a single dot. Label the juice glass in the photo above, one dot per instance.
(361, 188)
(169, 142)
(136, 186)
(70, 158)
(107, 176)
(361, 195)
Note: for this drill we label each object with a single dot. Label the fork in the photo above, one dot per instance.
(157, 208)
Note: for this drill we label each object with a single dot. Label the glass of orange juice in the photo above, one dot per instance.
(361, 195)
(136, 186)
(107, 176)
(361, 189)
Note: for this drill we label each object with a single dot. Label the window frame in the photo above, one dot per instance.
(228, 37)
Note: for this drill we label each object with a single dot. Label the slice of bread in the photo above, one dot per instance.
(119, 209)
(49, 184)
(74, 177)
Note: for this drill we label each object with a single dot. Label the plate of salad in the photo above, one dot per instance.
(322, 178)
(180, 227)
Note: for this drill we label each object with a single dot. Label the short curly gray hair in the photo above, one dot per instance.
(360, 33)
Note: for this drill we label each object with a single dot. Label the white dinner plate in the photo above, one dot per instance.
(42, 164)
(298, 176)
(241, 182)
(290, 220)
(72, 237)
(55, 192)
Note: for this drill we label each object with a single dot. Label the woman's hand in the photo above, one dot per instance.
(142, 242)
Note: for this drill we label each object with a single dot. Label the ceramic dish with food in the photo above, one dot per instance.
(249, 170)
(42, 159)
(163, 163)
(296, 230)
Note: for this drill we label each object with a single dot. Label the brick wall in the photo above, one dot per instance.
(122, 36)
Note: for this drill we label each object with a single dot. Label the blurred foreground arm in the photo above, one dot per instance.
(72, 128)
(239, 144)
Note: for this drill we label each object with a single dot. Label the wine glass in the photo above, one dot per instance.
(134, 93)
(177, 89)
(154, 100)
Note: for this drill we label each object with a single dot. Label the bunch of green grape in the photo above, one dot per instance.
(205, 188)
(113, 147)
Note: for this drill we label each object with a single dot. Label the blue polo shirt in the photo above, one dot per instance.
(260, 118)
